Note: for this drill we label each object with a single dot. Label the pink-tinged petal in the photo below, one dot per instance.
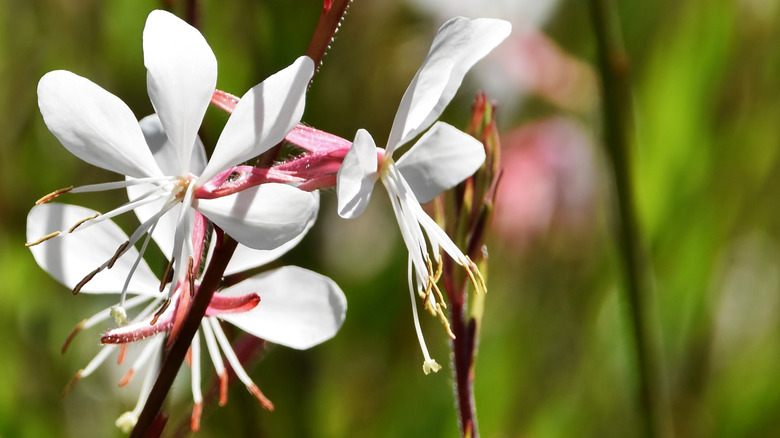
(314, 140)
(442, 158)
(181, 77)
(70, 257)
(247, 258)
(262, 217)
(298, 308)
(165, 154)
(457, 46)
(357, 175)
(94, 125)
(262, 118)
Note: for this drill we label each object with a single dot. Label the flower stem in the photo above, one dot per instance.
(616, 106)
(330, 19)
(178, 350)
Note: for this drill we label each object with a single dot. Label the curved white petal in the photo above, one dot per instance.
(247, 258)
(72, 257)
(263, 116)
(181, 77)
(165, 154)
(457, 46)
(262, 217)
(94, 125)
(357, 175)
(298, 308)
(443, 157)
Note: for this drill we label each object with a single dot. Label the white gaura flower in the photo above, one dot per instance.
(289, 306)
(440, 159)
(162, 158)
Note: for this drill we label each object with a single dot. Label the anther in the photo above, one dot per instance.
(72, 382)
(122, 354)
(53, 195)
(160, 312)
(223, 388)
(118, 253)
(191, 275)
(197, 410)
(167, 275)
(446, 323)
(72, 334)
(126, 379)
(260, 397)
(86, 279)
(478, 281)
(430, 365)
(86, 219)
(42, 239)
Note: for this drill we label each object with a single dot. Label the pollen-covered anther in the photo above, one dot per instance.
(42, 239)
(191, 276)
(264, 401)
(53, 195)
(223, 388)
(79, 223)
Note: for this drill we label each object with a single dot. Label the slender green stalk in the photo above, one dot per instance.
(618, 127)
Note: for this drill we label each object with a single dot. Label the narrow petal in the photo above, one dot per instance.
(443, 157)
(94, 125)
(298, 308)
(262, 217)
(457, 46)
(262, 118)
(247, 258)
(181, 77)
(357, 175)
(72, 256)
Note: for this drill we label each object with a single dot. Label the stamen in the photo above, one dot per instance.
(100, 187)
(53, 195)
(73, 228)
(477, 281)
(42, 239)
(264, 401)
(86, 279)
(197, 410)
(191, 276)
(72, 334)
(446, 322)
(216, 359)
(120, 315)
(197, 396)
(160, 312)
(72, 383)
(126, 379)
(429, 364)
(118, 253)
(236, 364)
(167, 275)
(122, 353)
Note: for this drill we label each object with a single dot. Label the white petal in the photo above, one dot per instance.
(167, 160)
(165, 154)
(94, 125)
(457, 46)
(298, 308)
(71, 257)
(262, 217)
(247, 258)
(357, 175)
(443, 157)
(263, 116)
(181, 77)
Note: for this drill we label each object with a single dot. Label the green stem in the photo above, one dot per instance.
(617, 109)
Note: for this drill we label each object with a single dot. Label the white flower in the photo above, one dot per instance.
(164, 170)
(440, 159)
(289, 306)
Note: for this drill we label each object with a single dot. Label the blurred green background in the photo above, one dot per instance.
(556, 356)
